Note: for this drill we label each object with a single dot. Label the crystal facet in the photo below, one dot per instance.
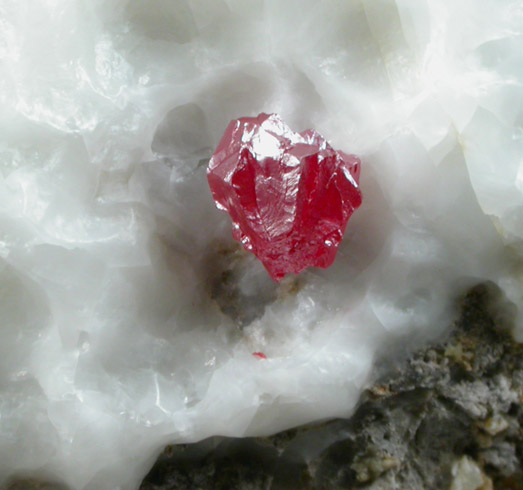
(290, 195)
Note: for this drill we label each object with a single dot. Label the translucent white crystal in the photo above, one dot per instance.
(468, 476)
(111, 345)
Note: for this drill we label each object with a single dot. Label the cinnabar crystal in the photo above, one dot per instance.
(289, 194)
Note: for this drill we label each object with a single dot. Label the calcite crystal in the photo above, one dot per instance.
(111, 343)
(290, 195)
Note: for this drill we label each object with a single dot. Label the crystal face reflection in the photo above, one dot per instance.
(289, 195)
(106, 219)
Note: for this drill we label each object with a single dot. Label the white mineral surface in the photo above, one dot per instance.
(110, 343)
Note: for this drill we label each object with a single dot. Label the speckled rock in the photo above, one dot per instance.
(450, 416)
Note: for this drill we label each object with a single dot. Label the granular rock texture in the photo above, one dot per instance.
(238, 283)
(450, 416)
(119, 334)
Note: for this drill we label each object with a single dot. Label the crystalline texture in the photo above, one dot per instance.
(289, 195)
(109, 344)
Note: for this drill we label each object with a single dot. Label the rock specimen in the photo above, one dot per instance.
(449, 417)
(118, 331)
(289, 195)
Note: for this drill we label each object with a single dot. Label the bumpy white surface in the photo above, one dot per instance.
(110, 346)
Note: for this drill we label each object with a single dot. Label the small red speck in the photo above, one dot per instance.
(259, 355)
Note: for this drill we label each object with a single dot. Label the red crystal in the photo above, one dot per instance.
(289, 194)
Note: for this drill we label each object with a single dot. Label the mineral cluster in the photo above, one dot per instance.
(128, 318)
(290, 195)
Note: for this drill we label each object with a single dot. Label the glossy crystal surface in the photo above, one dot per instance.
(111, 345)
(289, 195)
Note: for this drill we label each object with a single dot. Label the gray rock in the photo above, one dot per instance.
(452, 403)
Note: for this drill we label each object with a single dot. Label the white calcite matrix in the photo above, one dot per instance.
(111, 345)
